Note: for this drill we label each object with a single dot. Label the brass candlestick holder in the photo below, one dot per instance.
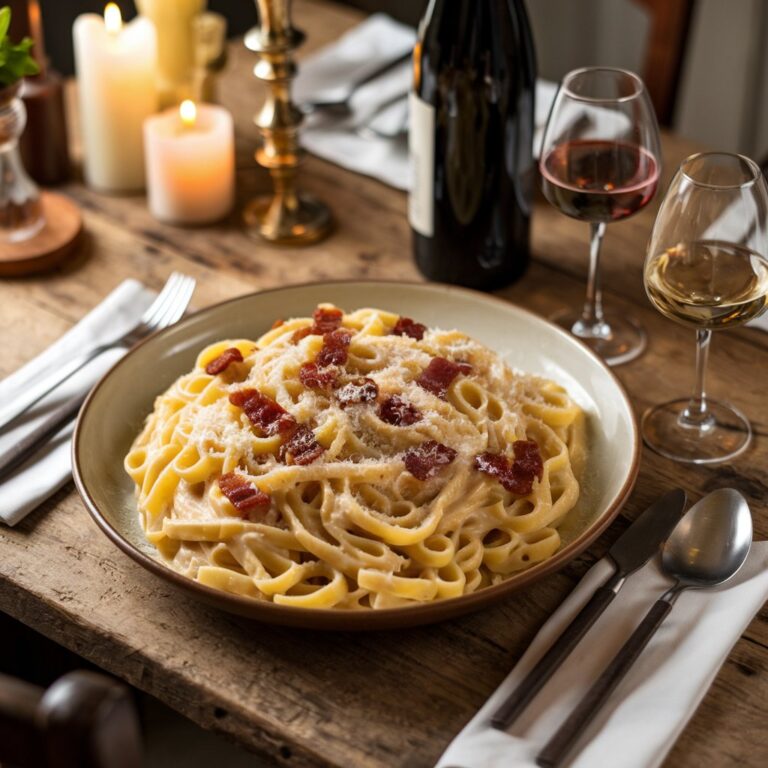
(288, 217)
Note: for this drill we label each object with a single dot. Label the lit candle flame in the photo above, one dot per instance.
(188, 113)
(113, 19)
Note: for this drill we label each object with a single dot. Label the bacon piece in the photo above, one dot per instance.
(326, 320)
(278, 323)
(314, 377)
(427, 459)
(407, 327)
(438, 375)
(517, 482)
(301, 447)
(263, 412)
(335, 348)
(494, 464)
(517, 476)
(300, 334)
(362, 390)
(244, 496)
(396, 411)
(528, 458)
(323, 321)
(222, 362)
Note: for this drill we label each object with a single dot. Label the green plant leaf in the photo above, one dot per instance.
(15, 60)
(5, 21)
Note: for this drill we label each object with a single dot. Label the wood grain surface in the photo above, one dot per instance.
(391, 699)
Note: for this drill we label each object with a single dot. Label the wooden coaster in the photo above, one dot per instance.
(51, 245)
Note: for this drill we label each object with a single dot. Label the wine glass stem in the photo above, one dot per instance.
(696, 413)
(592, 314)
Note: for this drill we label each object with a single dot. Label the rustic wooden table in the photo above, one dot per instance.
(307, 698)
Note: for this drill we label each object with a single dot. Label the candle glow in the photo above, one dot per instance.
(188, 113)
(190, 161)
(113, 19)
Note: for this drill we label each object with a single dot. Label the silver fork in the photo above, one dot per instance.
(165, 310)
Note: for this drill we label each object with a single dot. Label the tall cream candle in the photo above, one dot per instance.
(115, 66)
(174, 21)
(190, 153)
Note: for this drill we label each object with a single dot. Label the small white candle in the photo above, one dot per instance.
(190, 156)
(115, 66)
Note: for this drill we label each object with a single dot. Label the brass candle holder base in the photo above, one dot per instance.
(305, 220)
(289, 217)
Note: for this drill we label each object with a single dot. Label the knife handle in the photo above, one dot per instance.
(534, 681)
(558, 747)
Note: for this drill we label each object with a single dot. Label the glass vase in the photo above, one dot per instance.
(21, 211)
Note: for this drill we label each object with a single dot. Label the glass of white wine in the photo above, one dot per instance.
(707, 268)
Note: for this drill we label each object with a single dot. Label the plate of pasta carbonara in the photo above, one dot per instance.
(356, 455)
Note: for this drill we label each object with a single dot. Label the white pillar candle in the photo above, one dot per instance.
(115, 66)
(190, 156)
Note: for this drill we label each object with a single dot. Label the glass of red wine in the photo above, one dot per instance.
(600, 162)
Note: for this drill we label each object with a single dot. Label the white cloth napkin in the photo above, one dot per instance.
(648, 711)
(49, 469)
(345, 141)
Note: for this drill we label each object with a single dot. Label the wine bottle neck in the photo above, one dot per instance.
(464, 22)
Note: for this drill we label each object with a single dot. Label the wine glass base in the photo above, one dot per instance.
(617, 340)
(725, 435)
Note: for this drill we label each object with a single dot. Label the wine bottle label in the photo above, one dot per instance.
(421, 203)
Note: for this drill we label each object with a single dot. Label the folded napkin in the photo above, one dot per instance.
(50, 468)
(348, 141)
(647, 712)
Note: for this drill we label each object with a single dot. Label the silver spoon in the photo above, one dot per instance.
(706, 548)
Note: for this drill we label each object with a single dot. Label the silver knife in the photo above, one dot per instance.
(633, 549)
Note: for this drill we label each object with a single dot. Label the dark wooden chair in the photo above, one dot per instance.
(84, 720)
(665, 52)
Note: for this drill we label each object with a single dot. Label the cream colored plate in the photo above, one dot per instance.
(115, 411)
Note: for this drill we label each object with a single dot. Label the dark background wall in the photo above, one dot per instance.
(58, 16)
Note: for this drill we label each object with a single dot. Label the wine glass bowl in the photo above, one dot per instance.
(600, 162)
(707, 269)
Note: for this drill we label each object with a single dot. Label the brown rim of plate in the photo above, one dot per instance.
(372, 619)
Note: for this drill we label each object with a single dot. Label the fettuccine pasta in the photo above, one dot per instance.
(356, 461)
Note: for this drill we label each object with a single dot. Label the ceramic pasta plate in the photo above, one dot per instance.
(116, 408)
